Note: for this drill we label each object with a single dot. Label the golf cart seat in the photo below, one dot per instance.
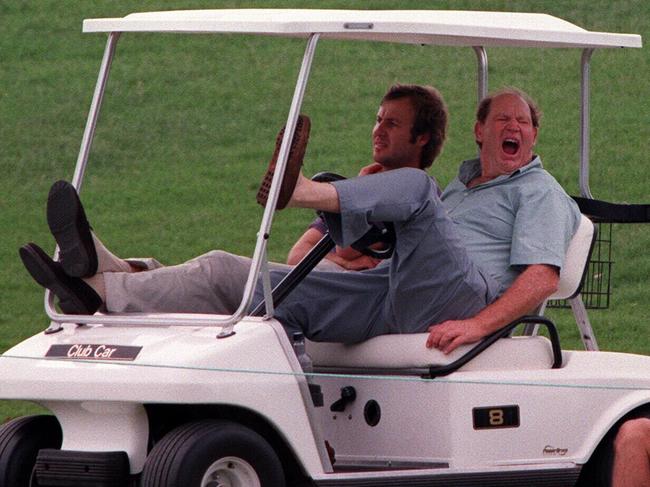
(404, 352)
(574, 268)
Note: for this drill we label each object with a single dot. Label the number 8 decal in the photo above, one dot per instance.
(496, 417)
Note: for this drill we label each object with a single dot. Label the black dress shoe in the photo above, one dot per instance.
(75, 296)
(67, 221)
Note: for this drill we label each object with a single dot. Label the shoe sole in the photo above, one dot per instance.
(69, 226)
(41, 268)
(292, 169)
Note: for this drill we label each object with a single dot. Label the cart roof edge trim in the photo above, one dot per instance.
(442, 27)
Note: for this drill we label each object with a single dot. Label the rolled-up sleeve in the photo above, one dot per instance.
(544, 225)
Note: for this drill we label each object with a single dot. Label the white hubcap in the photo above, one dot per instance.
(230, 472)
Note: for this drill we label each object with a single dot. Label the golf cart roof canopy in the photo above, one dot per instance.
(442, 27)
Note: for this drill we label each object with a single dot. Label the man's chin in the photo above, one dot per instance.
(509, 166)
(379, 159)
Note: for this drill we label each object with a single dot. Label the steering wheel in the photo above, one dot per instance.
(381, 232)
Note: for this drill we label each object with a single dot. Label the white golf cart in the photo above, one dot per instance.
(206, 400)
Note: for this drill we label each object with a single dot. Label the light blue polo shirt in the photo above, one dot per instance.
(513, 220)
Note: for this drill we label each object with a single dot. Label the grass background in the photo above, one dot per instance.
(189, 123)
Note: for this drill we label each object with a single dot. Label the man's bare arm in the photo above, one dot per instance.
(349, 259)
(535, 284)
(303, 245)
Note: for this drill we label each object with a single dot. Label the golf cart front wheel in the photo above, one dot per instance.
(212, 453)
(20, 441)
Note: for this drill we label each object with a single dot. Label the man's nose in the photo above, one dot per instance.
(512, 124)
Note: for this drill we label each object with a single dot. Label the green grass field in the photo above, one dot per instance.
(189, 123)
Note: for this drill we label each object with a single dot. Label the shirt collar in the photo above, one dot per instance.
(471, 169)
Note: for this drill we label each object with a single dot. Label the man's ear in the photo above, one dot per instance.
(422, 139)
(478, 132)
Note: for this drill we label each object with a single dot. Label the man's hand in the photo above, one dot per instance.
(354, 264)
(448, 335)
(536, 283)
(373, 168)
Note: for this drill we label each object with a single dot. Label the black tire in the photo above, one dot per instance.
(597, 472)
(186, 454)
(20, 441)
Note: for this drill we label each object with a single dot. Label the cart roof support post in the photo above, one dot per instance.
(584, 124)
(482, 74)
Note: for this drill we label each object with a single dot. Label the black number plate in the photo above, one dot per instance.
(496, 417)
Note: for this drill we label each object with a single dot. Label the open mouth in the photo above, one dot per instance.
(510, 146)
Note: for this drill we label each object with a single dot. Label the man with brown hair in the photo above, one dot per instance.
(405, 113)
